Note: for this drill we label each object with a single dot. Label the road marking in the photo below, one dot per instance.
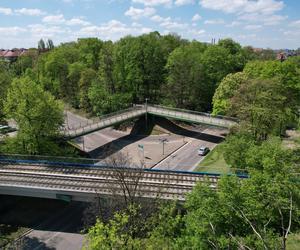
(171, 155)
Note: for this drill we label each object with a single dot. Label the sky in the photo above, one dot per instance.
(259, 23)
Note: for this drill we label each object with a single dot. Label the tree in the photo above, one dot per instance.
(103, 102)
(86, 78)
(261, 107)
(186, 86)
(218, 63)
(225, 91)
(112, 235)
(250, 214)
(89, 49)
(72, 87)
(239, 57)
(37, 114)
(50, 44)
(236, 149)
(6, 77)
(41, 45)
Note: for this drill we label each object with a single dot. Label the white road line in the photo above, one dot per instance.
(171, 155)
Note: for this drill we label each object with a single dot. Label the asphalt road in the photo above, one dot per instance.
(60, 232)
(185, 158)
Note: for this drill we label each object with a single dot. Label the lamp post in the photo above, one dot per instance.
(163, 141)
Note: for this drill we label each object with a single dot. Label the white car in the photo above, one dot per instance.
(203, 150)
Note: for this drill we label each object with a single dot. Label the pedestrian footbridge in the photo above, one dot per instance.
(142, 110)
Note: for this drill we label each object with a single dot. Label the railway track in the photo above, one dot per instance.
(102, 180)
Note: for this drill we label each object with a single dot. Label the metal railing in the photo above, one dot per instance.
(194, 112)
(192, 116)
(105, 121)
(139, 110)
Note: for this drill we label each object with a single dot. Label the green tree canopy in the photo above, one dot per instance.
(226, 90)
(37, 114)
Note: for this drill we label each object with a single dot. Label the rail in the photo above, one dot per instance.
(100, 181)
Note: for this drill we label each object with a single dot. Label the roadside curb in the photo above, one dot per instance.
(169, 154)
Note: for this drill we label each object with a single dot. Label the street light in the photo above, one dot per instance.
(163, 141)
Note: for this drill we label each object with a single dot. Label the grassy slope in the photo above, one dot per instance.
(214, 162)
(293, 242)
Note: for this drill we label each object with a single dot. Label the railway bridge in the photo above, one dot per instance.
(143, 110)
(84, 182)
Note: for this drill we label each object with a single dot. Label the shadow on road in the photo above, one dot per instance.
(178, 130)
(140, 131)
(31, 243)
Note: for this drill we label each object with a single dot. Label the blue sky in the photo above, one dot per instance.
(260, 23)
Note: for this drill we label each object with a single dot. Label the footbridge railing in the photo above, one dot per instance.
(104, 122)
(140, 110)
(192, 116)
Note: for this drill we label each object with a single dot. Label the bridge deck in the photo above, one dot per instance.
(84, 184)
(140, 110)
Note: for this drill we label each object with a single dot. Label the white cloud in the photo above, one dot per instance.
(295, 24)
(58, 19)
(234, 24)
(173, 25)
(261, 18)
(135, 13)
(197, 32)
(243, 6)
(30, 12)
(113, 30)
(168, 23)
(11, 31)
(77, 21)
(214, 21)
(196, 18)
(159, 19)
(253, 27)
(6, 11)
(154, 2)
(40, 30)
(184, 2)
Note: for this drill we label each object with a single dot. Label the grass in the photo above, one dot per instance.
(293, 242)
(214, 162)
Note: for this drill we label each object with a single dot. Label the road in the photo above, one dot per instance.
(187, 158)
(181, 151)
(60, 232)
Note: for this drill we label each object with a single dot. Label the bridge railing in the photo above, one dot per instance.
(42, 159)
(194, 112)
(104, 120)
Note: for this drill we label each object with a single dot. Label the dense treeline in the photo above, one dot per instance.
(101, 77)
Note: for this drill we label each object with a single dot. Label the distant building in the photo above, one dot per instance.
(11, 55)
(281, 56)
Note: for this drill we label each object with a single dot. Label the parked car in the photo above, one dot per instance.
(203, 150)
